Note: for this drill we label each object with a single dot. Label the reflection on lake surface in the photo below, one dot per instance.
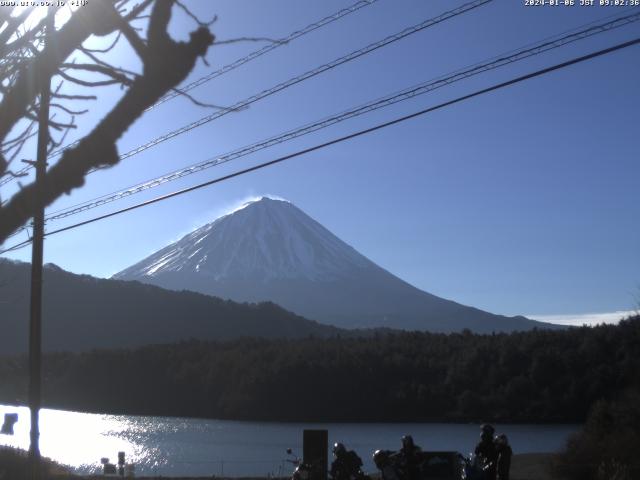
(185, 446)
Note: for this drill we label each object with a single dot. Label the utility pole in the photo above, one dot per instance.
(35, 323)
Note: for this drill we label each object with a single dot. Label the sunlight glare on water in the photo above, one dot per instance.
(175, 446)
(78, 440)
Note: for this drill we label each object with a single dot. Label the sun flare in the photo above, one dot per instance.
(63, 13)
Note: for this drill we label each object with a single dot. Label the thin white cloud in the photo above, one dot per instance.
(248, 201)
(232, 207)
(589, 319)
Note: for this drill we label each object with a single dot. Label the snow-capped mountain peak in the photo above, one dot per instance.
(263, 239)
(269, 250)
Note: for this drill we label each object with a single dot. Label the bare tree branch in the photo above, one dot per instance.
(52, 123)
(94, 18)
(73, 97)
(88, 67)
(134, 40)
(166, 64)
(197, 102)
(106, 49)
(98, 61)
(13, 23)
(55, 144)
(87, 83)
(24, 133)
(68, 110)
(137, 10)
(199, 22)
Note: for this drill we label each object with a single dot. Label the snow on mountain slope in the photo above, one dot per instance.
(264, 240)
(271, 250)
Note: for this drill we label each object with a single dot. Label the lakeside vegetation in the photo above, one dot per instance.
(538, 376)
(607, 446)
(14, 465)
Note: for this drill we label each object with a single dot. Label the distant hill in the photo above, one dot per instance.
(81, 312)
(271, 250)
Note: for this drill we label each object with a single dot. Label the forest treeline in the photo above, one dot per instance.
(536, 376)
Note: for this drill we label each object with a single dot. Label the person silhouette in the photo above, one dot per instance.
(486, 450)
(410, 458)
(503, 459)
(346, 464)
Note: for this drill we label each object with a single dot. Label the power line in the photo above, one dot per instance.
(243, 104)
(266, 49)
(229, 67)
(359, 133)
(406, 94)
(17, 246)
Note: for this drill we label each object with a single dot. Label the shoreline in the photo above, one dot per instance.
(439, 421)
(525, 466)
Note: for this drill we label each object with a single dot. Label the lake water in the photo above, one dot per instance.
(185, 446)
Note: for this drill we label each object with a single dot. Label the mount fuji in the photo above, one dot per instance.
(269, 250)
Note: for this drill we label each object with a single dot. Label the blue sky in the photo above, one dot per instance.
(522, 201)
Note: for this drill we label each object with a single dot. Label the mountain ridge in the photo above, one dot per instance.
(81, 312)
(271, 250)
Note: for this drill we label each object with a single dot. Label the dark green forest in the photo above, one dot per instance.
(536, 376)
